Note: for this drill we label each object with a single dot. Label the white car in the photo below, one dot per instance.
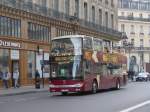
(143, 76)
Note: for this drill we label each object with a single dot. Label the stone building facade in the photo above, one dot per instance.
(134, 20)
(27, 27)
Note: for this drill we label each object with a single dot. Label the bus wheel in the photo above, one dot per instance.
(64, 93)
(94, 87)
(117, 85)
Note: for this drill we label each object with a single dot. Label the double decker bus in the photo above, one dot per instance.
(79, 63)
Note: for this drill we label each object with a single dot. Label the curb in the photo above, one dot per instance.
(22, 93)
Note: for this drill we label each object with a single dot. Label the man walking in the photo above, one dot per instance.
(16, 77)
(6, 76)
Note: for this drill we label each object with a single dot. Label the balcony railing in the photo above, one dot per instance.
(134, 18)
(51, 13)
(134, 4)
(134, 49)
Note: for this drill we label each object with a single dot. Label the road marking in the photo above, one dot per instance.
(20, 100)
(136, 106)
(33, 98)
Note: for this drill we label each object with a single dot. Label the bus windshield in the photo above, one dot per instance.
(66, 45)
(67, 69)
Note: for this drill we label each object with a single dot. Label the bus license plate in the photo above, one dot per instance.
(64, 90)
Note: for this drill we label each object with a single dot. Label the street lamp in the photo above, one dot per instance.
(41, 51)
(128, 46)
(74, 19)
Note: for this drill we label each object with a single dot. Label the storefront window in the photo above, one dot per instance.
(10, 27)
(38, 32)
(4, 59)
(31, 64)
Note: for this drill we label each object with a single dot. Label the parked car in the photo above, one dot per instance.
(143, 76)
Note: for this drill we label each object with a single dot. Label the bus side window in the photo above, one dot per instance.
(87, 67)
(87, 43)
(104, 70)
(97, 69)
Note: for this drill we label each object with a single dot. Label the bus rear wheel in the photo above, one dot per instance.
(64, 93)
(94, 87)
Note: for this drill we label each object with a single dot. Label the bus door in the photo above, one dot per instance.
(87, 66)
(111, 76)
(104, 78)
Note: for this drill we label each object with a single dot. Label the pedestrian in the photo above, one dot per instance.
(37, 75)
(15, 78)
(6, 77)
(37, 79)
(1, 74)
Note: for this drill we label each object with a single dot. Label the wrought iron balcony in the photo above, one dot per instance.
(134, 4)
(51, 13)
(141, 48)
(134, 18)
(134, 49)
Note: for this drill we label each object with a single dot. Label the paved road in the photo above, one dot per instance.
(125, 100)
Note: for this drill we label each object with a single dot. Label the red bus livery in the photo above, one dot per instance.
(80, 63)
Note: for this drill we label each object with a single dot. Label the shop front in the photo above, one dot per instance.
(24, 57)
(9, 59)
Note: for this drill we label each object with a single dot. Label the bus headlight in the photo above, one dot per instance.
(51, 86)
(78, 85)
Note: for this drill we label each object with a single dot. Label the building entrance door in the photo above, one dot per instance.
(15, 66)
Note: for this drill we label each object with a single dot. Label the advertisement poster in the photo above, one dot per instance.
(39, 62)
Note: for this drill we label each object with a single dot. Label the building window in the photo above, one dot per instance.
(56, 5)
(130, 15)
(67, 6)
(93, 14)
(4, 60)
(31, 64)
(38, 32)
(149, 16)
(122, 13)
(43, 3)
(106, 2)
(141, 42)
(112, 3)
(112, 21)
(141, 15)
(10, 27)
(149, 30)
(61, 32)
(85, 11)
(100, 17)
(76, 8)
(122, 28)
(106, 19)
(132, 42)
(132, 29)
(141, 30)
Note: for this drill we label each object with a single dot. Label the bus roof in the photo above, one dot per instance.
(70, 36)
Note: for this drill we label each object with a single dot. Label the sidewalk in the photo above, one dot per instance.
(22, 90)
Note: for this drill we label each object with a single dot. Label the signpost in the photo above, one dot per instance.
(41, 52)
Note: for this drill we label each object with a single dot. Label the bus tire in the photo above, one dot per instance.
(117, 85)
(94, 87)
(64, 93)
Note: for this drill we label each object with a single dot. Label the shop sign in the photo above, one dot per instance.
(9, 44)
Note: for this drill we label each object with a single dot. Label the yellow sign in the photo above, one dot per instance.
(110, 58)
(106, 57)
(114, 58)
(63, 58)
